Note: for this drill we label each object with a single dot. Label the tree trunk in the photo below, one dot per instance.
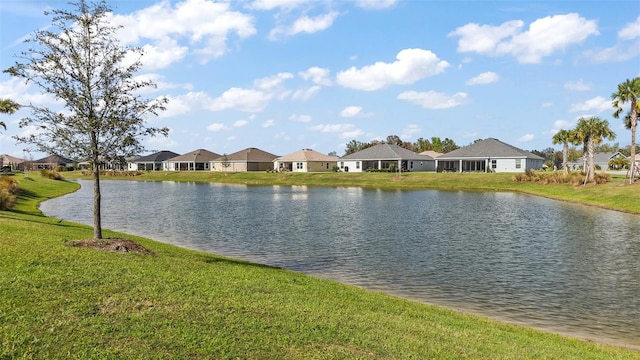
(634, 123)
(592, 166)
(565, 158)
(97, 218)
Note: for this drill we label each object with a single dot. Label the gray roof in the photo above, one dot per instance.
(386, 152)
(488, 148)
(159, 156)
(604, 157)
(54, 159)
(249, 155)
(199, 155)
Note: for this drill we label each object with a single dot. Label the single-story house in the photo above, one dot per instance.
(305, 160)
(10, 162)
(249, 159)
(385, 156)
(489, 154)
(192, 161)
(52, 162)
(152, 162)
(600, 159)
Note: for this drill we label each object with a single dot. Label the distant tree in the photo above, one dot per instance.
(7, 107)
(593, 130)
(448, 145)
(408, 145)
(225, 162)
(607, 148)
(394, 140)
(354, 146)
(619, 162)
(563, 137)
(332, 153)
(84, 66)
(628, 92)
(436, 144)
(422, 145)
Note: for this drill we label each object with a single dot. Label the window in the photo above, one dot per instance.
(412, 164)
(494, 164)
(299, 165)
(518, 163)
(357, 164)
(341, 164)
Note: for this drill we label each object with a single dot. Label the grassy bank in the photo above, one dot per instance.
(69, 302)
(616, 195)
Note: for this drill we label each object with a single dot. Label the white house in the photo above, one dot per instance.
(491, 154)
(386, 156)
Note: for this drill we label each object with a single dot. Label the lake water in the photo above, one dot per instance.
(551, 265)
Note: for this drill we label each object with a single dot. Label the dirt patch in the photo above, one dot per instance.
(112, 245)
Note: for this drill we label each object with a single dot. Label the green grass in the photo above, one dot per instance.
(67, 302)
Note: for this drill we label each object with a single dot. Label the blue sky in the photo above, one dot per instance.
(283, 75)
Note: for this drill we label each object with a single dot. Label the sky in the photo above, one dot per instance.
(283, 75)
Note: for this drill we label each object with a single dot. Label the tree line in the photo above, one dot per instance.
(435, 144)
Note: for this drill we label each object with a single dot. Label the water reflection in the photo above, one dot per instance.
(553, 265)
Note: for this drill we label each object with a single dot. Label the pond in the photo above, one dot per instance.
(551, 265)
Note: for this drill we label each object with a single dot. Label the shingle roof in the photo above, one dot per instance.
(8, 159)
(250, 155)
(386, 152)
(489, 148)
(433, 154)
(307, 155)
(199, 155)
(54, 159)
(160, 156)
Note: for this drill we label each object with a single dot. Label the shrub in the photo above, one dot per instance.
(557, 177)
(8, 190)
(51, 174)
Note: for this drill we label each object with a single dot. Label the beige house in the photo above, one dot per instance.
(10, 162)
(192, 161)
(249, 159)
(305, 160)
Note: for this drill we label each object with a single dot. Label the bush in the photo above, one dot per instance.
(8, 190)
(51, 174)
(558, 177)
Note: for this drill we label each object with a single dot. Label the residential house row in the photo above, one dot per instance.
(481, 156)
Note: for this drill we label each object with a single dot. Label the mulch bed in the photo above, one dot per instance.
(112, 245)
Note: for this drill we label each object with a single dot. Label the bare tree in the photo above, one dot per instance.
(82, 64)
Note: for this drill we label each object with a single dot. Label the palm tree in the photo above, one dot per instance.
(563, 137)
(593, 130)
(629, 92)
(7, 107)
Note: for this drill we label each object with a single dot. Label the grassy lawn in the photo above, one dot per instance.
(70, 302)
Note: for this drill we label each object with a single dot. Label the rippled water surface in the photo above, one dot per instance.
(563, 267)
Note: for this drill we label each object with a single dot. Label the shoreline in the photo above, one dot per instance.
(462, 309)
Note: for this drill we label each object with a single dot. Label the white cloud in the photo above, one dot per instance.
(305, 24)
(306, 93)
(434, 100)
(318, 75)
(272, 82)
(275, 4)
(484, 78)
(345, 130)
(216, 127)
(630, 31)
(597, 104)
(409, 131)
(544, 37)
(269, 123)
(300, 118)
(351, 111)
(240, 123)
(547, 104)
(375, 4)
(577, 86)
(161, 142)
(411, 65)
(205, 24)
(526, 138)
(562, 125)
(617, 53)
(248, 100)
